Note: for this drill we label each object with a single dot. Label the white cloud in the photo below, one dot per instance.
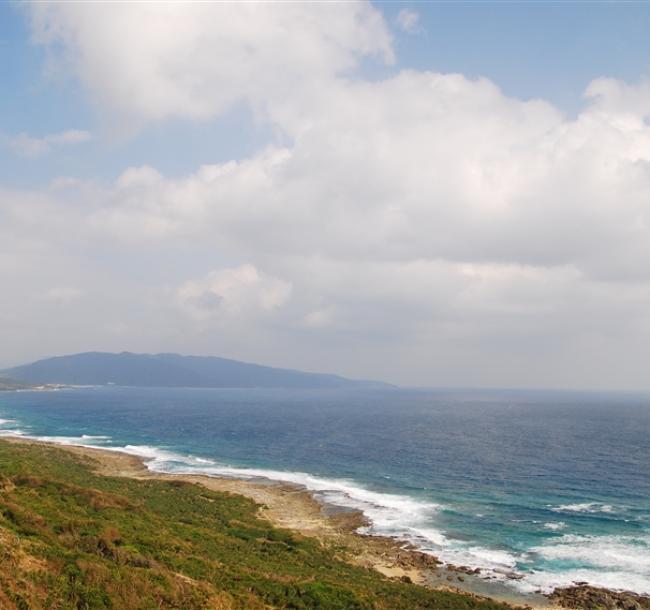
(425, 227)
(27, 146)
(408, 20)
(236, 292)
(197, 60)
(420, 166)
(425, 205)
(618, 99)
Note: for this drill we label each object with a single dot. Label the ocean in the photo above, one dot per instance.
(548, 487)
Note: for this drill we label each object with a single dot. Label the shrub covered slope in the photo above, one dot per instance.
(70, 538)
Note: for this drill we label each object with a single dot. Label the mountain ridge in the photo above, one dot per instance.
(172, 370)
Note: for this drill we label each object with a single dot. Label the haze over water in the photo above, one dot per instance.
(551, 487)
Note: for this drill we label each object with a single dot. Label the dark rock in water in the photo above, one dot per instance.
(513, 576)
(410, 558)
(463, 569)
(584, 597)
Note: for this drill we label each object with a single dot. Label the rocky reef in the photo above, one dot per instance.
(583, 596)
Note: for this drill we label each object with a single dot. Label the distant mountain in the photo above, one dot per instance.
(170, 370)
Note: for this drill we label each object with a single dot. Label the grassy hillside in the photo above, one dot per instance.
(72, 539)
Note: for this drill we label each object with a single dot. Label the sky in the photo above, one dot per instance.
(432, 194)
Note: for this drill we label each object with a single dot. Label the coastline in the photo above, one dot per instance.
(290, 506)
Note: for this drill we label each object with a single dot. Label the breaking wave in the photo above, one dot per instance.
(617, 562)
(584, 507)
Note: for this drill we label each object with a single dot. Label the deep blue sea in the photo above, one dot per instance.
(553, 486)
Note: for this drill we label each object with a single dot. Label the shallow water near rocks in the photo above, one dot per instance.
(547, 487)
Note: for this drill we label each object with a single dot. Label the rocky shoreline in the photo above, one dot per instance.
(292, 507)
(8, 385)
(584, 596)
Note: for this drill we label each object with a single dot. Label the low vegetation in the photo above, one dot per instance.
(70, 538)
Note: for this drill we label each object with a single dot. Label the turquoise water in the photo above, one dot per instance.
(553, 487)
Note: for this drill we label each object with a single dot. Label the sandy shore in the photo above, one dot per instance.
(289, 506)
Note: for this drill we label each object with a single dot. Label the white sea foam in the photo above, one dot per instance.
(616, 580)
(86, 440)
(627, 553)
(388, 514)
(608, 561)
(9, 431)
(615, 562)
(393, 515)
(492, 562)
(13, 432)
(584, 507)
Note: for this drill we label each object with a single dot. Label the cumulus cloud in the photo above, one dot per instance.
(198, 60)
(407, 20)
(419, 166)
(27, 146)
(236, 292)
(424, 227)
(617, 99)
